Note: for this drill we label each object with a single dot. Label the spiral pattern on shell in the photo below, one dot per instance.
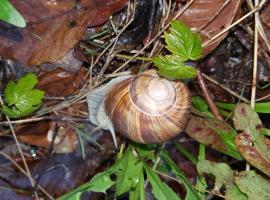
(148, 108)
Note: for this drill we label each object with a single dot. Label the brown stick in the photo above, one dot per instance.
(207, 97)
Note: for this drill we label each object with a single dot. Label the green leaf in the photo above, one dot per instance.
(191, 193)
(21, 99)
(9, 14)
(253, 185)
(222, 172)
(200, 104)
(263, 107)
(201, 184)
(129, 173)
(172, 67)
(139, 192)
(234, 193)
(183, 42)
(160, 190)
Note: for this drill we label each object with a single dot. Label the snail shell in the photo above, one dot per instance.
(148, 108)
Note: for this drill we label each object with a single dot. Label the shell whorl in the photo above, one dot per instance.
(148, 108)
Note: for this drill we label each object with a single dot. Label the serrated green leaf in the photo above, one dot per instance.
(129, 173)
(183, 42)
(139, 192)
(9, 14)
(253, 185)
(191, 193)
(160, 190)
(171, 67)
(21, 98)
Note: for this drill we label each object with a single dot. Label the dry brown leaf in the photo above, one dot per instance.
(211, 17)
(53, 27)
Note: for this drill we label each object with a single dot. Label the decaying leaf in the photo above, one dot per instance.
(244, 144)
(251, 143)
(213, 133)
(53, 27)
(209, 18)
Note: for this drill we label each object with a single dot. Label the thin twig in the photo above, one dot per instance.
(207, 96)
(20, 151)
(25, 173)
(257, 8)
(225, 88)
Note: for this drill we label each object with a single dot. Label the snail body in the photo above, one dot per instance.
(148, 108)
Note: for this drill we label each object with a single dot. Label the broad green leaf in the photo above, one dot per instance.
(233, 193)
(160, 190)
(21, 99)
(9, 14)
(171, 67)
(222, 172)
(129, 173)
(99, 183)
(183, 42)
(191, 193)
(253, 185)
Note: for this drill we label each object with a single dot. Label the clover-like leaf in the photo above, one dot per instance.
(22, 99)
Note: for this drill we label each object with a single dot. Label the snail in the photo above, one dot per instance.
(146, 108)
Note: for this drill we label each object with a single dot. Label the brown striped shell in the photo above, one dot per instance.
(148, 108)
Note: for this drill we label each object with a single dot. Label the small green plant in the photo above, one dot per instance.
(184, 45)
(130, 170)
(21, 99)
(9, 14)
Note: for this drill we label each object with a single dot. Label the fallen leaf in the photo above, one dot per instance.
(210, 18)
(53, 28)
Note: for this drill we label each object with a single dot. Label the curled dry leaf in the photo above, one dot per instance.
(251, 143)
(210, 18)
(53, 27)
(244, 144)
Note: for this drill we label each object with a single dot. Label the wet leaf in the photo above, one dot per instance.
(233, 193)
(210, 18)
(52, 28)
(253, 185)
